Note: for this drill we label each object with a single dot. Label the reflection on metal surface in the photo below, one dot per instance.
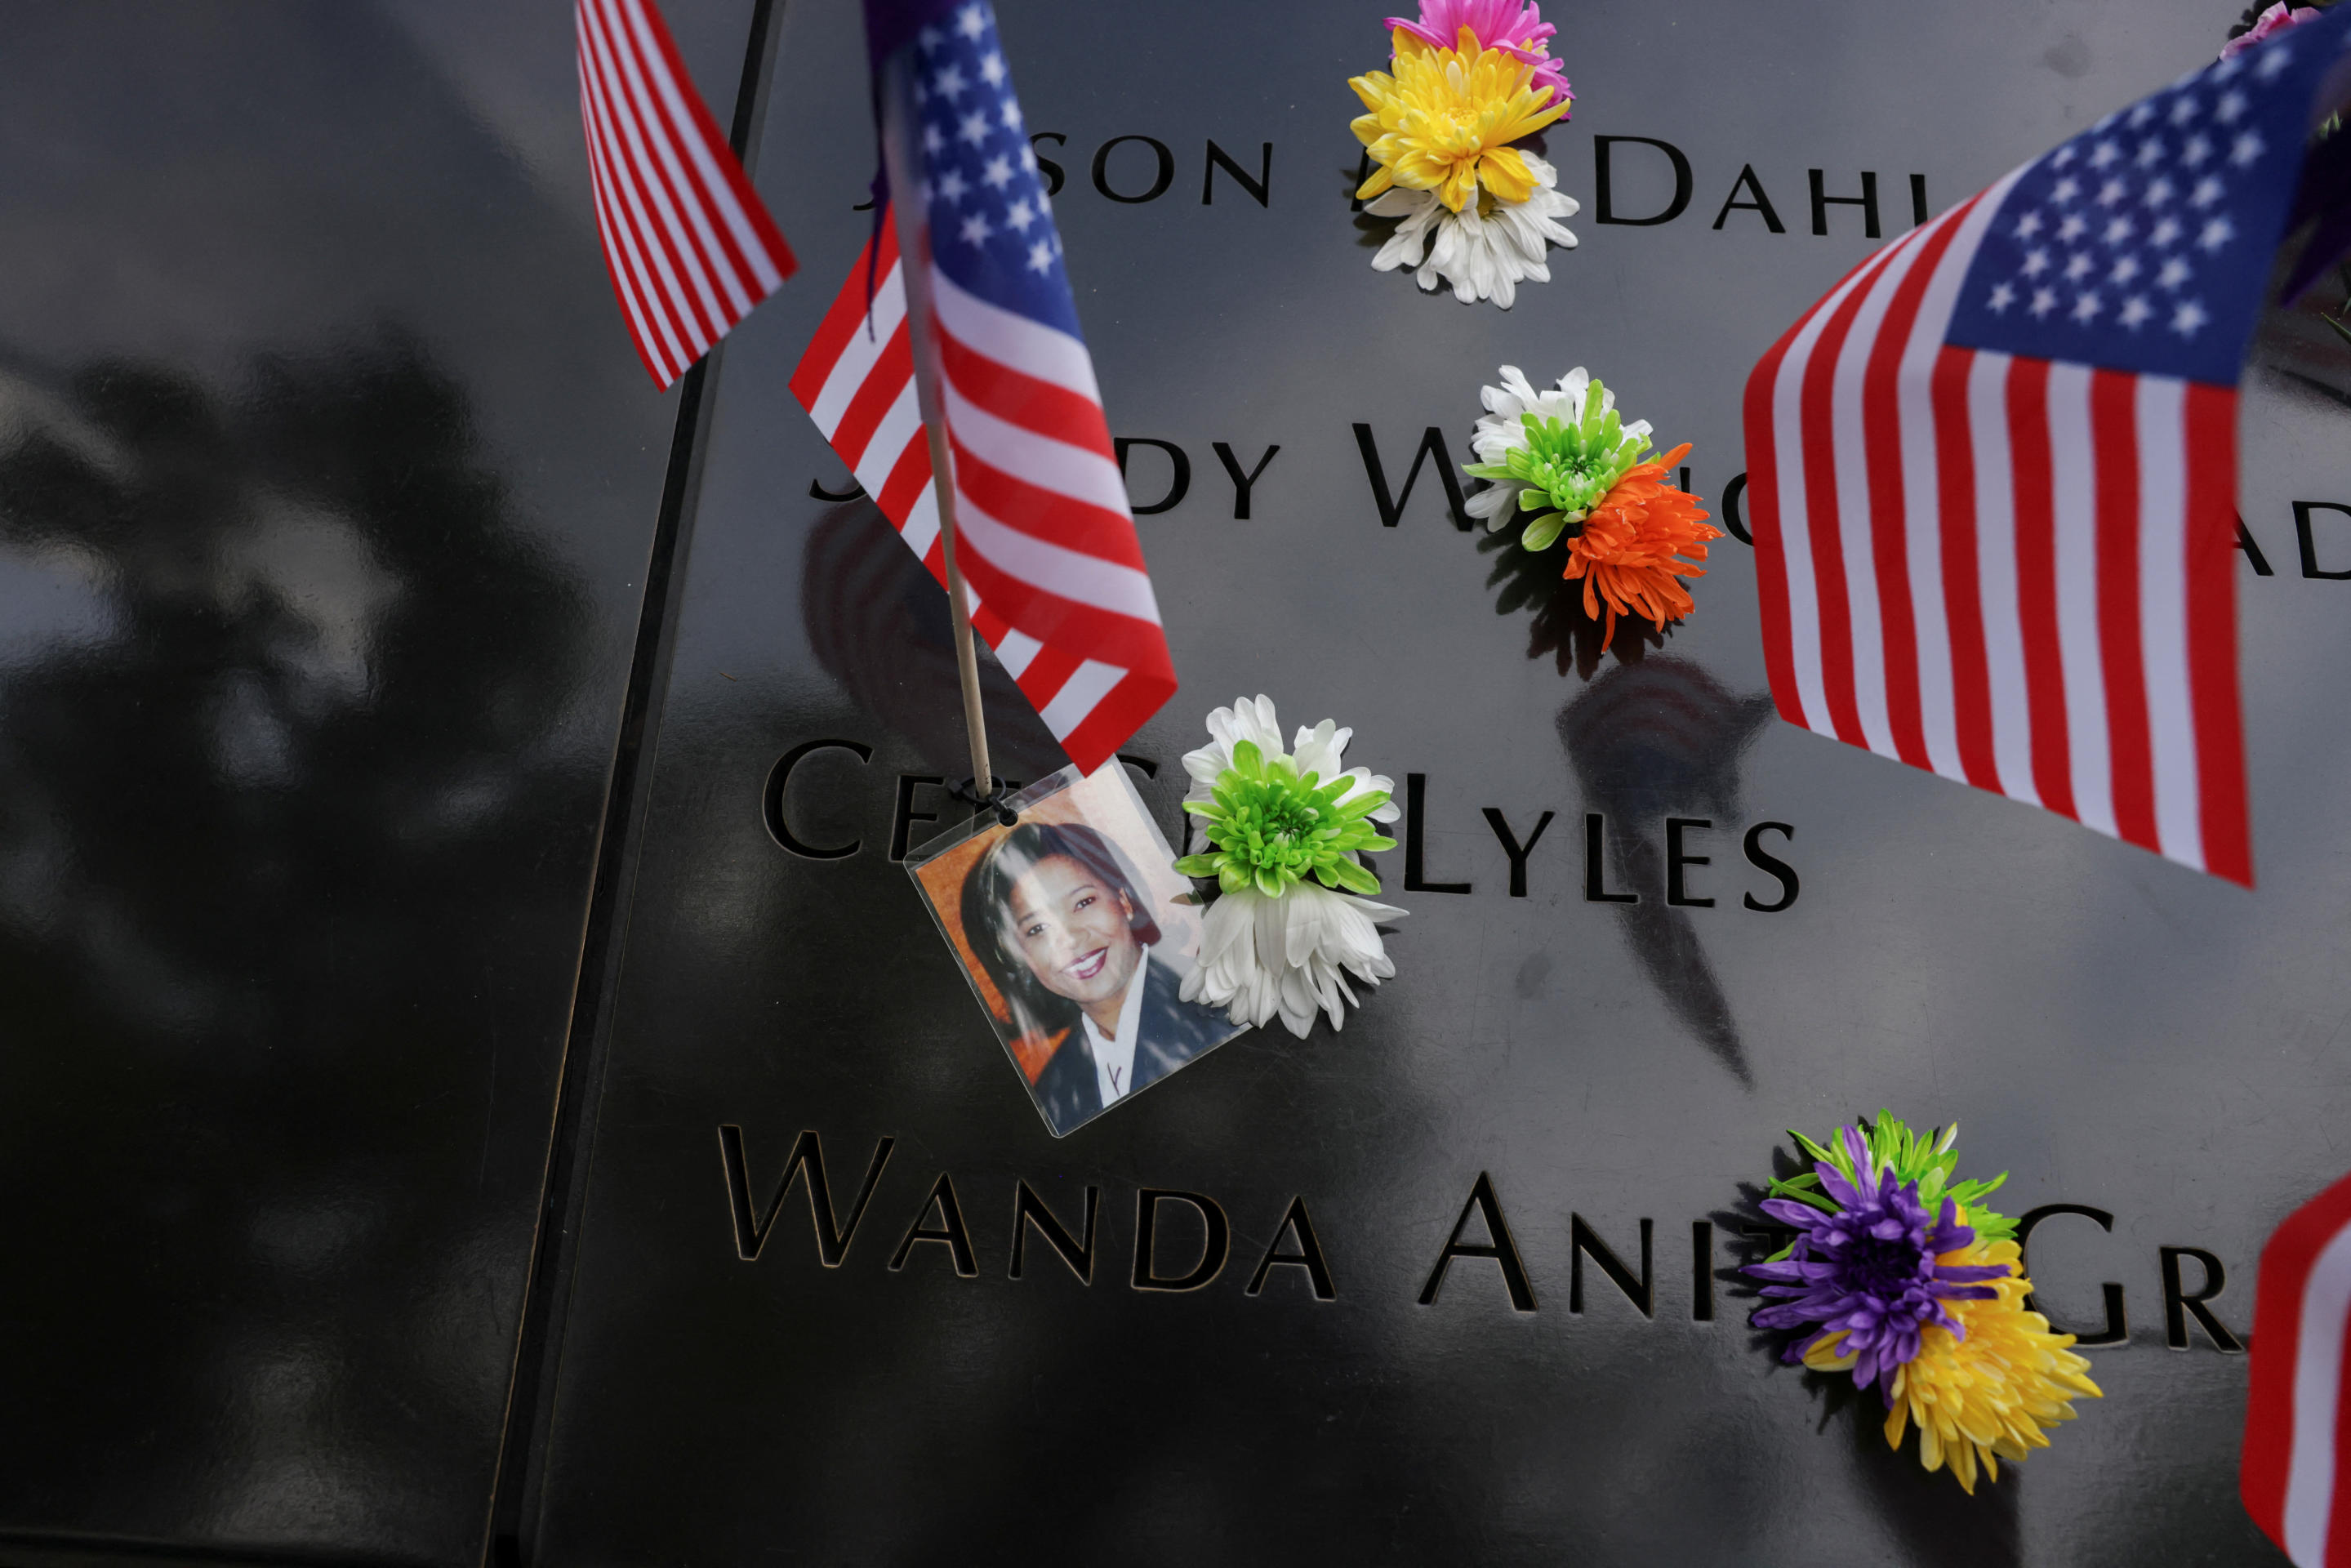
(878, 622)
(326, 483)
(2121, 1039)
(1558, 626)
(1937, 1524)
(1926, 1515)
(2308, 344)
(298, 586)
(315, 698)
(1652, 740)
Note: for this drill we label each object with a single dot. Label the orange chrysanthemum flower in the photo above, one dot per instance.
(1638, 544)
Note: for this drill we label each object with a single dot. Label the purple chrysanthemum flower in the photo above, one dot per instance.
(1868, 1269)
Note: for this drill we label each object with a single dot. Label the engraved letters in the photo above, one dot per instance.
(1612, 169)
(1662, 860)
(1213, 1244)
(752, 1229)
(1498, 1244)
(1296, 1226)
(1182, 1242)
(2179, 1303)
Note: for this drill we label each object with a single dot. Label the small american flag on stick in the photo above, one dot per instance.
(1994, 471)
(2296, 1473)
(689, 245)
(1039, 524)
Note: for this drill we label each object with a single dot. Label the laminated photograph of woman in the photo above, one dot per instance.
(1067, 933)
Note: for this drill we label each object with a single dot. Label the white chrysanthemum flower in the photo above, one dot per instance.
(1288, 955)
(1319, 750)
(1503, 430)
(1244, 720)
(1484, 256)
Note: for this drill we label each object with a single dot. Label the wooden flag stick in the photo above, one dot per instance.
(975, 722)
(907, 210)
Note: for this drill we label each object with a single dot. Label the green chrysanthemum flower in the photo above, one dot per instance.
(1563, 450)
(1926, 1158)
(1271, 829)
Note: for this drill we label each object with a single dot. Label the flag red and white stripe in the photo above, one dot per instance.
(2295, 1478)
(1045, 542)
(689, 245)
(2014, 572)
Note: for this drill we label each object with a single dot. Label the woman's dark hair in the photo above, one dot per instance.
(988, 911)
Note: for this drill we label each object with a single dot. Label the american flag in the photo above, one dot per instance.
(2296, 1473)
(1995, 470)
(1043, 537)
(689, 246)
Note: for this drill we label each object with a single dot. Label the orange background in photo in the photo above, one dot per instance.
(1105, 802)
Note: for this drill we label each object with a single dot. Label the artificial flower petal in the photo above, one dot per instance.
(2276, 20)
(1993, 1381)
(1441, 121)
(1636, 546)
(1568, 440)
(1485, 250)
(1284, 830)
(1904, 1278)
(1516, 29)
(1557, 456)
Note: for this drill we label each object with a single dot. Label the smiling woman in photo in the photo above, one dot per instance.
(1067, 933)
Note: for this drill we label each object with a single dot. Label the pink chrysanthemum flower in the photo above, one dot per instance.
(2276, 20)
(1517, 30)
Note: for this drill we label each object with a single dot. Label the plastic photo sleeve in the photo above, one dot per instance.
(1077, 935)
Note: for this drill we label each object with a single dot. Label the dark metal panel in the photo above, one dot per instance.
(2121, 1034)
(328, 479)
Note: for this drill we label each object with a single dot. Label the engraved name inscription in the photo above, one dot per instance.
(1181, 1242)
(1673, 860)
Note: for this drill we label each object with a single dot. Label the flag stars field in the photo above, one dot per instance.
(981, 164)
(2128, 178)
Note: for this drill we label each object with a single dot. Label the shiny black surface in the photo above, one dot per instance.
(327, 481)
(327, 489)
(2121, 1034)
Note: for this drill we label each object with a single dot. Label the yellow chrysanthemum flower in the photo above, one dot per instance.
(1446, 120)
(1986, 1397)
